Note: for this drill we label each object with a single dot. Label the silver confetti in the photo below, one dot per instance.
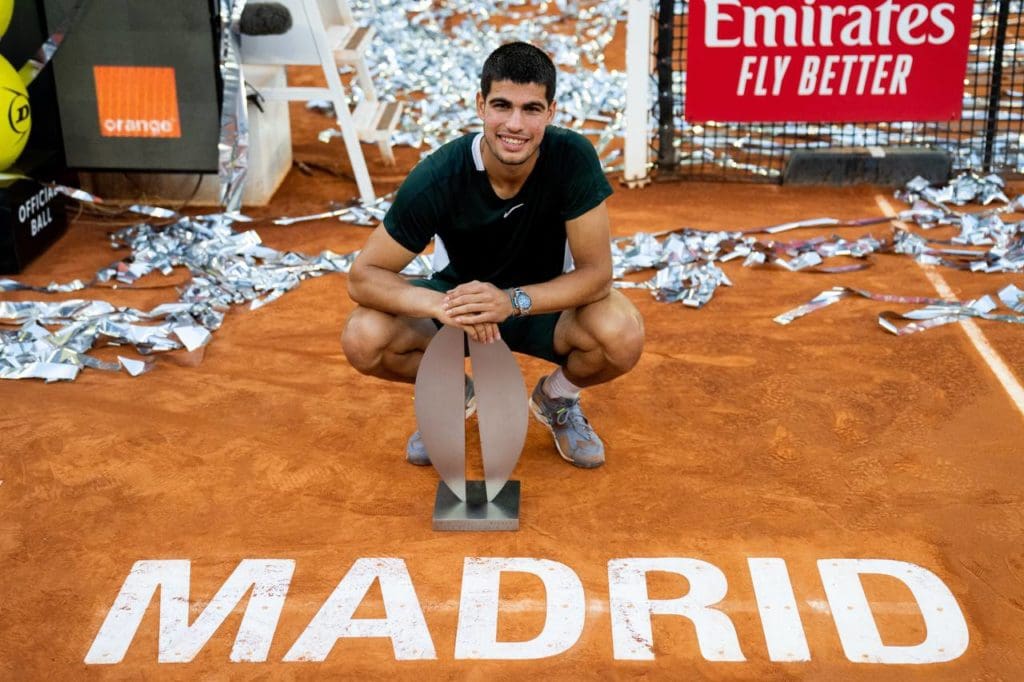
(134, 367)
(152, 211)
(430, 55)
(366, 214)
(1012, 298)
(228, 268)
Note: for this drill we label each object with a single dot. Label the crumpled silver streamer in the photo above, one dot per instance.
(938, 312)
(682, 259)
(77, 194)
(937, 315)
(836, 294)
(964, 189)
(153, 211)
(51, 288)
(1012, 298)
(228, 268)
(357, 213)
(695, 286)
(931, 207)
(691, 284)
(233, 146)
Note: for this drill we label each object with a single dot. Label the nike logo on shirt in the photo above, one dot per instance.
(509, 212)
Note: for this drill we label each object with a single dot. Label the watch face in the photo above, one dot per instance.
(523, 301)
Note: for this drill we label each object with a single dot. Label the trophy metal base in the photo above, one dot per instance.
(476, 513)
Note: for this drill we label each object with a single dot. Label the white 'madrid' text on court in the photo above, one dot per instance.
(563, 601)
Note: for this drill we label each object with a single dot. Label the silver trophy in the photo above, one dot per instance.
(491, 504)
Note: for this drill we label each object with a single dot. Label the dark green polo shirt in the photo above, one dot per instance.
(507, 242)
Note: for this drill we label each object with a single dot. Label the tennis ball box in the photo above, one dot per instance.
(32, 217)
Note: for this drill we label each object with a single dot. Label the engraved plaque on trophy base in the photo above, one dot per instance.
(476, 513)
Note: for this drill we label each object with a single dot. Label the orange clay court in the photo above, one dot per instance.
(819, 501)
(741, 453)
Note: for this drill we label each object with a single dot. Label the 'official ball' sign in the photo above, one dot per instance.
(826, 60)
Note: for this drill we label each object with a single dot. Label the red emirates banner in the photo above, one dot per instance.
(826, 60)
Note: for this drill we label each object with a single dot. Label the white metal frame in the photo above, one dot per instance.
(307, 44)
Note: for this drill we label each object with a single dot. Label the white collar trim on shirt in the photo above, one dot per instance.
(478, 157)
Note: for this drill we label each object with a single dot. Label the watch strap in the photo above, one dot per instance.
(512, 299)
(514, 294)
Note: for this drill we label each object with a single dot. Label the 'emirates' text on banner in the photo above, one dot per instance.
(819, 60)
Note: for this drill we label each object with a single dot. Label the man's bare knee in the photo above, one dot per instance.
(621, 338)
(615, 326)
(628, 346)
(364, 339)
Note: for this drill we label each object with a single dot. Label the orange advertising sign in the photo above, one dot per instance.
(137, 101)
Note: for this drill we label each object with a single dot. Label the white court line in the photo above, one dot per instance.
(995, 362)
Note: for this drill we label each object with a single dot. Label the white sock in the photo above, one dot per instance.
(557, 386)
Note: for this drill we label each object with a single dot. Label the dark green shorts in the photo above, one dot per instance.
(533, 335)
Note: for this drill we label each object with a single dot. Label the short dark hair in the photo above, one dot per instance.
(520, 63)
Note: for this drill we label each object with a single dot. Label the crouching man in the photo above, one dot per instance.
(505, 202)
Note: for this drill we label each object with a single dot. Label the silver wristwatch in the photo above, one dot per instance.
(521, 302)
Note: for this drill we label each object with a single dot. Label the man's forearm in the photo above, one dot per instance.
(584, 285)
(383, 290)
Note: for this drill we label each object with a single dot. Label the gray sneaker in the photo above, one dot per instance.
(574, 436)
(416, 451)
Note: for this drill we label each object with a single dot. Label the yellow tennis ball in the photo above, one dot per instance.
(6, 10)
(15, 114)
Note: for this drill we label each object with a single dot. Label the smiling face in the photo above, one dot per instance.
(514, 117)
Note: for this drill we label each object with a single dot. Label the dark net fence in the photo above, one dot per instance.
(986, 138)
